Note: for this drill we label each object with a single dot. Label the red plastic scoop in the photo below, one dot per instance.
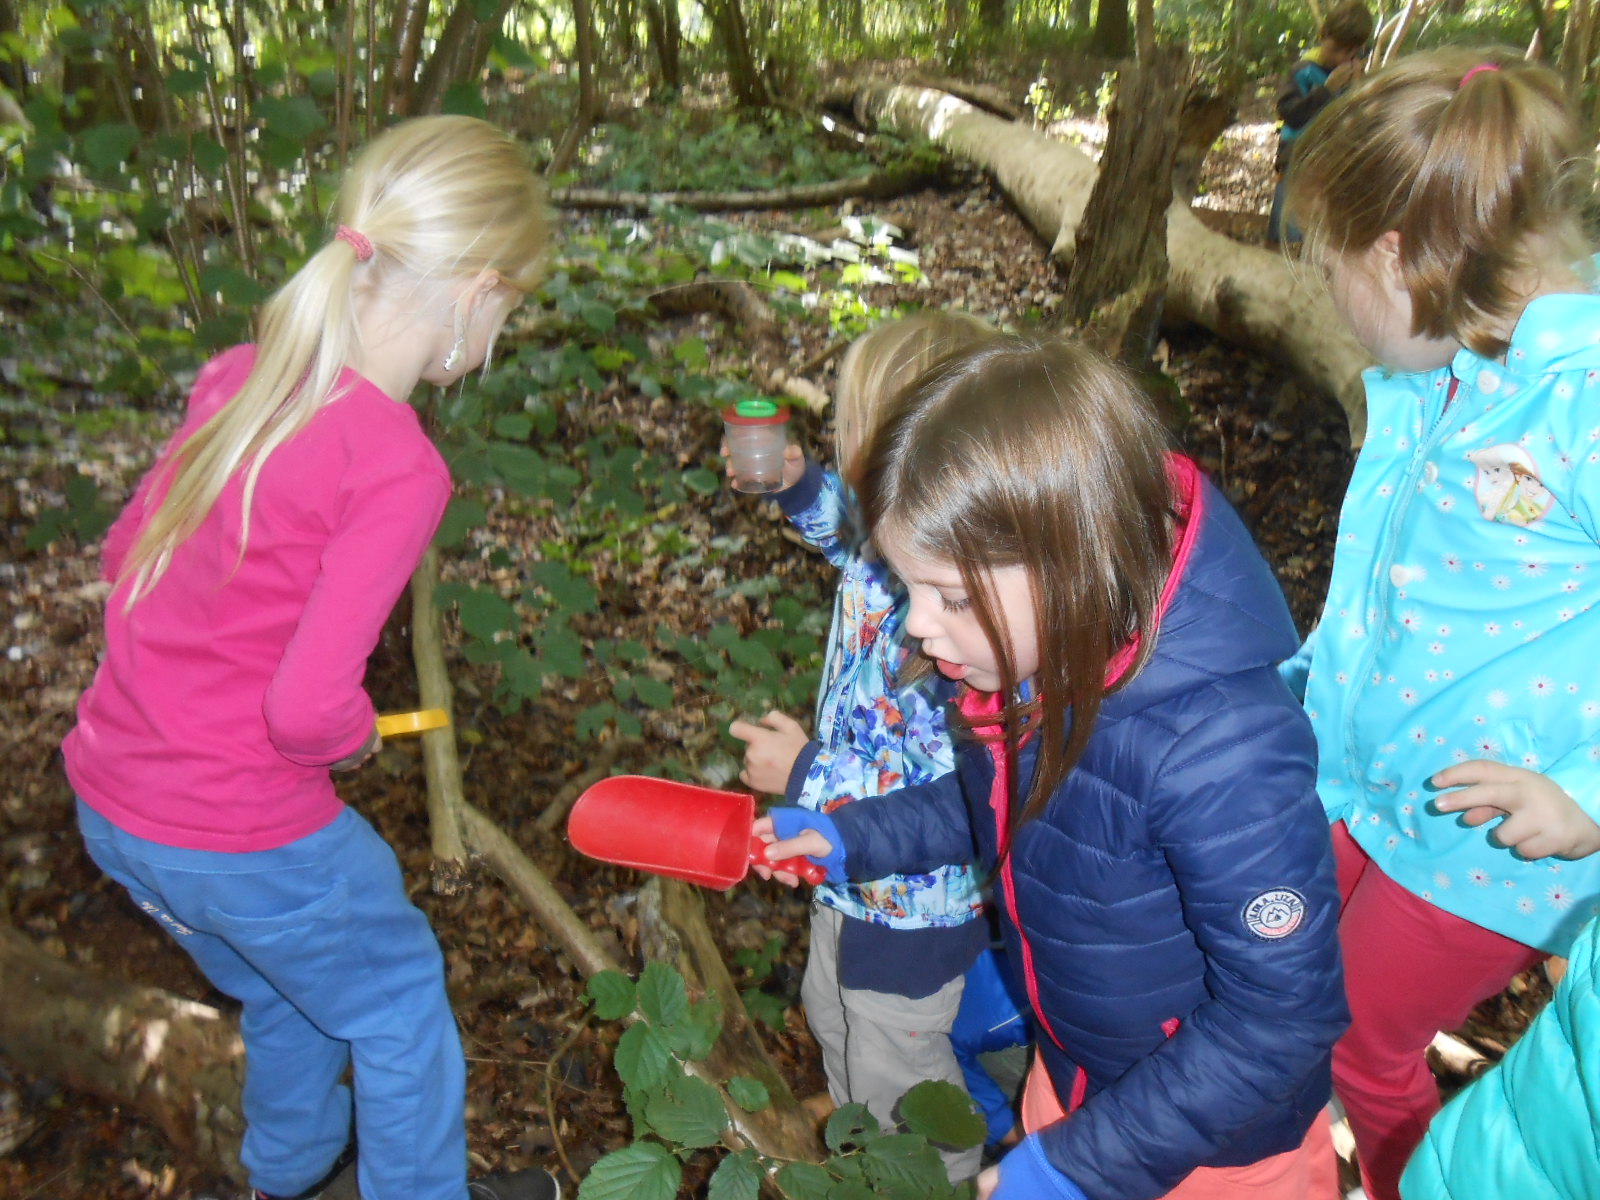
(675, 829)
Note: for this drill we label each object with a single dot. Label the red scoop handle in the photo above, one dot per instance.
(812, 873)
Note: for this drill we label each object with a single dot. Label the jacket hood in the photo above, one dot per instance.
(1222, 611)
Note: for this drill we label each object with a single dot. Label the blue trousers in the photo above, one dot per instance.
(334, 967)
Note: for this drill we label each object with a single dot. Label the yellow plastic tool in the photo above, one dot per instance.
(396, 724)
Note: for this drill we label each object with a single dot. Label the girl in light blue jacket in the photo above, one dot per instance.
(1452, 682)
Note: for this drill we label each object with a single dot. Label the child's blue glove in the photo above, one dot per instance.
(791, 822)
(1026, 1174)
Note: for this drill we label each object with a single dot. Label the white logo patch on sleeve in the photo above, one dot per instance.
(1275, 914)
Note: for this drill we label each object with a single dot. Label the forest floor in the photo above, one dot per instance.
(1279, 452)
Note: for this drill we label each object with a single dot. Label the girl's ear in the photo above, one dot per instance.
(1386, 261)
(478, 289)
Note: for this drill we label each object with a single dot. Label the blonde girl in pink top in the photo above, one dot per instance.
(252, 573)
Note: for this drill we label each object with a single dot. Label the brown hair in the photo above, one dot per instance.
(887, 358)
(1481, 177)
(1044, 455)
(1348, 25)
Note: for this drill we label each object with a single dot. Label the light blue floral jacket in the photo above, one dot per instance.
(1460, 620)
(872, 737)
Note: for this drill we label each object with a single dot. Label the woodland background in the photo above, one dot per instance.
(599, 602)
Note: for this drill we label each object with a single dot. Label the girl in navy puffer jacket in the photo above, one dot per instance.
(1133, 769)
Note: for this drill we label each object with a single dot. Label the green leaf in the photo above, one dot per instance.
(209, 155)
(642, 1171)
(235, 287)
(561, 653)
(753, 656)
(572, 594)
(653, 692)
(485, 613)
(514, 427)
(461, 516)
(182, 81)
(693, 1037)
(804, 1181)
(601, 318)
(612, 993)
(689, 1113)
(642, 1059)
(702, 481)
(749, 1094)
(903, 1166)
(106, 147)
(691, 352)
(737, 1177)
(851, 1189)
(294, 118)
(463, 100)
(662, 997)
(850, 1125)
(592, 721)
(944, 1114)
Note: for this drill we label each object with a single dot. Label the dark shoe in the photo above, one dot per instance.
(535, 1183)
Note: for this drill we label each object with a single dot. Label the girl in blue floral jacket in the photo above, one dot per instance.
(884, 975)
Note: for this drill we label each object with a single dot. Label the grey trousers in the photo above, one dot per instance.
(876, 1046)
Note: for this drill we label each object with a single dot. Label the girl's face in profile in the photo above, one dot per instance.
(941, 616)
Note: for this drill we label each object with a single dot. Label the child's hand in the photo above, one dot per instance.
(988, 1180)
(794, 464)
(771, 747)
(809, 844)
(1541, 820)
(353, 760)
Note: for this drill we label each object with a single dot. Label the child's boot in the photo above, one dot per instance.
(535, 1183)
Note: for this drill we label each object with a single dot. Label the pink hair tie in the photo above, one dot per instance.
(1477, 70)
(356, 240)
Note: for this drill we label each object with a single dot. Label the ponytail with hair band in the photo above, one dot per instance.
(356, 240)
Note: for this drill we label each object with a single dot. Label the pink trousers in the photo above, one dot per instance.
(1410, 970)
(1309, 1172)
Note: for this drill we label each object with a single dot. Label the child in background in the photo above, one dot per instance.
(1309, 86)
(1526, 1127)
(1451, 682)
(252, 573)
(1132, 765)
(884, 972)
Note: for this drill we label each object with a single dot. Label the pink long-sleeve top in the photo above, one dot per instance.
(229, 688)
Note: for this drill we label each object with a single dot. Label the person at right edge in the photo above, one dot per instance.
(1309, 86)
(1451, 680)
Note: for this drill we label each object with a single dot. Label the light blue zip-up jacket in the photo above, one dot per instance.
(1460, 620)
(872, 736)
(1531, 1126)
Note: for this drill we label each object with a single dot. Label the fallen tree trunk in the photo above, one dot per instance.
(1243, 294)
(877, 186)
(178, 1063)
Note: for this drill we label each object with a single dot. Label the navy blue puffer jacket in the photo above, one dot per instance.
(1174, 908)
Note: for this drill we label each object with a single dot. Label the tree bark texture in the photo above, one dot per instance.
(178, 1063)
(588, 97)
(666, 38)
(1117, 281)
(876, 186)
(744, 76)
(442, 763)
(1243, 294)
